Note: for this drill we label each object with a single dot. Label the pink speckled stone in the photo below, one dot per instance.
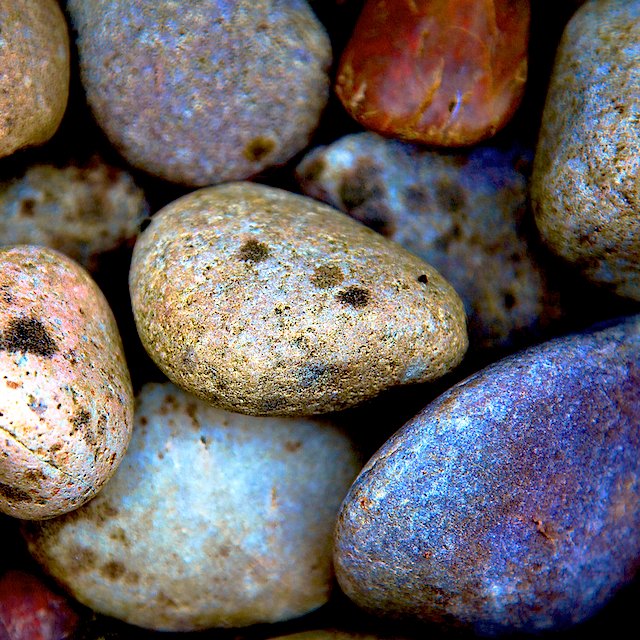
(66, 401)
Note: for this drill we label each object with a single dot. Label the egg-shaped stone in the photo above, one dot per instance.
(586, 181)
(34, 76)
(66, 401)
(511, 503)
(213, 519)
(203, 92)
(266, 302)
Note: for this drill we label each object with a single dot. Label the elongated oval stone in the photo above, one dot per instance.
(586, 181)
(265, 302)
(440, 72)
(512, 502)
(34, 72)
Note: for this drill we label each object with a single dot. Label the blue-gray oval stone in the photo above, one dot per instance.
(512, 502)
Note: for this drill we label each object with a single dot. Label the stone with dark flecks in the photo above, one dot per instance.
(34, 72)
(82, 211)
(203, 92)
(439, 72)
(266, 302)
(586, 179)
(214, 519)
(465, 213)
(512, 502)
(66, 401)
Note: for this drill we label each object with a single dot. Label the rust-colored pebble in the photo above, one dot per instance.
(439, 72)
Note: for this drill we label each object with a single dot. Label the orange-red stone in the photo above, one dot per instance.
(439, 72)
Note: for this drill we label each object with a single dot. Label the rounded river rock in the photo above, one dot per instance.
(512, 502)
(586, 180)
(66, 402)
(265, 302)
(214, 519)
(203, 92)
(34, 76)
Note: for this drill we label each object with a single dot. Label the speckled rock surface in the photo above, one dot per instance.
(80, 211)
(463, 213)
(34, 81)
(65, 396)
(586, 181)
(213, 519)
(512, 502)
(265, 302)
(206, 92)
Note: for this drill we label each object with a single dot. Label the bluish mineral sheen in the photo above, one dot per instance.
(512, 502)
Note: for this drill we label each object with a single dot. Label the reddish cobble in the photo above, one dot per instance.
(440, 72)
(29, 610)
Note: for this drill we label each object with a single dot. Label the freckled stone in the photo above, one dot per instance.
(586, 180)
(34, 81)
(224, 525)
(465, 213)
(440, 72)
(81, 211)
(510, 504)
(65, 393)
(263, 287)
(203, 92)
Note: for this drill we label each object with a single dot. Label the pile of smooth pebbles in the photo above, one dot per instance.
(319, 320)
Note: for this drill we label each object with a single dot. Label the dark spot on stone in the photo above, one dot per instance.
(113, 570)
(253, 251)
(449, 195)
(81, 419)
(119, 535)
(80, 559)
(34, 476)
(356, 297)
(103, 512)
(13, 494)
(55, 447)
(6, 294)
(509, 301)
(416, 198)
(224, 551)
(143, 421)
(272, 404)
(28, 335)
(259, 148)
(361, 186)
(326, 276)
(27, 207)
(423, 279)
(292, 447)
(313, 170)
(192, 412)
(204, 441)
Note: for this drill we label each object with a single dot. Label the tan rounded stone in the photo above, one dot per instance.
(586, 179)
(34, 72)
(65, 395)
(265, 302)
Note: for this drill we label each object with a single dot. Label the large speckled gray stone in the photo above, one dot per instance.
(34, 72)
(586, 180)
(512, 502)
(203, 92)
(265, 302)
(81, 211)
(214, 519)
(464, 213)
